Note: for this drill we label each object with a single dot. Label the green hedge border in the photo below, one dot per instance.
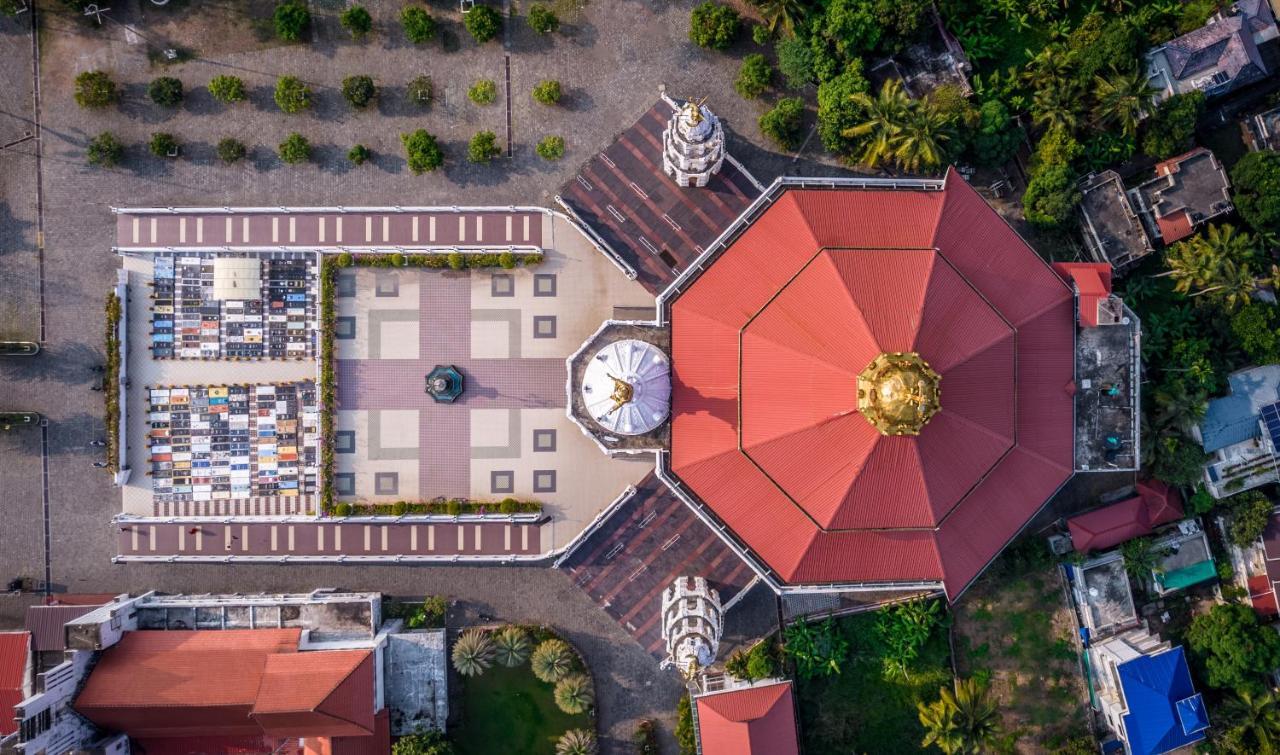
(111, 381)
(448, 507)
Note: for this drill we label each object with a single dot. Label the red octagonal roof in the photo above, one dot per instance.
(767, 345)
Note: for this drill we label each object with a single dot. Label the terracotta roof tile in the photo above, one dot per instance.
(754, 721)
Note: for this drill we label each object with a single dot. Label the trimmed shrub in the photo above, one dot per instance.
(574, 694)
(552, 661)
(423, 151)
(230, 150)
(542, 19)
(95, 89)
(483, 92)
(760, 34)
(511, 646)
(359, 154)
(795, 61)
(227, 89)
(419, 26)
(163, 145)
(419, 91)
(292, 96)
(472, 653)
(165, 91)
(483, 147)
(291, 20)
(295, 149)
(359, 91)
(547, 92)
(357, 21)
(483, 22)
(754, 77)
(399, 508)
(550, 148)
(713, 26)
(578, 742)
(457, 262)
(507, 261)
(783, 123)
(342, 509)
(104, 150)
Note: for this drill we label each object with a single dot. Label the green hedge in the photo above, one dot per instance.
(111, 381)
(328, 380)
(455, 260)
(450, 507)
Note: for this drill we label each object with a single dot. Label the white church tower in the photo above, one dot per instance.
(693, 145)
(692, 622)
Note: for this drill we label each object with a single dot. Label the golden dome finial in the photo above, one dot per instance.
(898, 393)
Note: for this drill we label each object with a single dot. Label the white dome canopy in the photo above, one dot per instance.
(626, 387)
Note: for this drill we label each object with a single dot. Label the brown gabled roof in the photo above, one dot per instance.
(755, 721)
(317, 694)
(47, 624)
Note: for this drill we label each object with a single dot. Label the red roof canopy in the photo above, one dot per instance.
(754, 721)
(1093, 285)
(767, 344)
(15, 653)
(1155, 504)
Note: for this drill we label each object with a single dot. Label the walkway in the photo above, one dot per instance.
(646, 543)
(143, 540)
(161, 229)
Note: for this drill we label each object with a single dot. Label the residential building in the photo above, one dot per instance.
(1113, 232)
(1103, 596)
(1262, 131)
(1155, 504)
(1144, 691)
(1188, 191)
(747, 719)
(1183, 559)
(1218, 57)
(1242, 432)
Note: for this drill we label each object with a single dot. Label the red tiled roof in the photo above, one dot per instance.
(1093, 285)
(766, 347)
(1175, 226)
(15, 653)
(1262, 595)
(245, 745)
(1155, 504)
(318, 694)
(753, 721)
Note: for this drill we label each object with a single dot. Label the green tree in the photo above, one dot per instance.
(921, 143)
(356, 20)
(817, 652)
(547, 92)
(483, 147)
(291, 95)
(754, 77)
(428, 742)
(472, 652)
(883, 117)
(165, 91)
(295, 149)
(1140, 558)
(418, 25)
(511, 646)
(419, 91)
(961, 721)
(292, 20)
(853, 26)
(574, 694)
(423, 151)
(1256, 328)
(1121, 99)
(1057, 108)
(542, 20)
(1217, 264)
(782, 15)
(905, 628)
(997, 136)
(1232, 648)
(686, 737)
(483, 92)
(1172, 127)
(359, 154)
(550, 147)
(713, 26)
(783, 124)
(552, 660)
(1250, 512)
(1177, 460)
(95, 89)
(104, 150)
(1255, 183)
(760, 663)
(231, 150)
(1253, 722)
(577, 742)
(1052, 195)
(795, 61)
(359, 91)
(838, 111)
(163, 145)
(483, 22)
(227, 89)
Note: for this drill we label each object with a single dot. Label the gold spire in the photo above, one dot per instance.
(622, 394)
(898, 393)
(693, 111)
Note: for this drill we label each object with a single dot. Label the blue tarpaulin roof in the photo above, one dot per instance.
(1165, 712)
(1234, 418)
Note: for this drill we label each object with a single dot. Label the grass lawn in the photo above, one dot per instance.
(506, 710)
(859, 710)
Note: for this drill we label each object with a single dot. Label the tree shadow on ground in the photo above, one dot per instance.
(135, 103)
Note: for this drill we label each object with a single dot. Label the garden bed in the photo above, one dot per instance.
(450, 507)
(863, 710)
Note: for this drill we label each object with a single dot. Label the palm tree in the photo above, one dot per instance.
(511, 646)
(472, 653)
(962, 721)
(1177, 406)
(1049, 69)
(920, 143)
(1255, 719)
(1216, 263)
(1057, 106)
(551, 661)
(577, 742)
(885, 114)
(574, 694)
(781, 13)
(1121, 99)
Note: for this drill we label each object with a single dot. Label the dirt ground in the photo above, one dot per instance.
(1019, 629)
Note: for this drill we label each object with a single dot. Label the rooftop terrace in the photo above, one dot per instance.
(1111, 228)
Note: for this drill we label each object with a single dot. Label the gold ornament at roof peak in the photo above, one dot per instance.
(898, 393)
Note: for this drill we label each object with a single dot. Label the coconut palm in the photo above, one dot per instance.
(1217, 263)
(511, 646)
(1177, 406)
(962, 721)
(472, 652)
(1121, 99)
(577, 742)
(921, 141)
(574, 694)
(885, 114)
(1057, 106)
(1255, 720)
(551, 661)
(784, 14)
